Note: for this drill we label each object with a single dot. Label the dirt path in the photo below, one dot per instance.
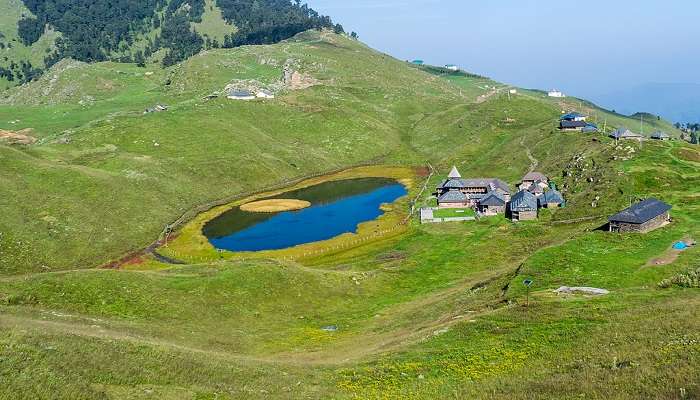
(533, 161)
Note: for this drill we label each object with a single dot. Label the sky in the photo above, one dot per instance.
(590, 49)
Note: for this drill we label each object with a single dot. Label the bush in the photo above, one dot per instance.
(688, 279)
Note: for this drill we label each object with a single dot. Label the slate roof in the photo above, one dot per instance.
(523, 201)
(641, 212)
(454, 173)
(536, 188)
(590, 128)
(552, 196)
(572, 124)
(571, 116)
(453, 196)
(624, 133)
(535, 176)
(487, 183)
(493, 199)
(660, 135)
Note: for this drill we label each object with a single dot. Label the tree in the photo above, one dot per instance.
(354, 35)
(694, 137)
(139, 59)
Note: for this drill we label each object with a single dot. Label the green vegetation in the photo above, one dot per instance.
(422, 312)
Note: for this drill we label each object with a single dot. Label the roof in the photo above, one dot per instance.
(453, 196)
(536, 187)
(535, 176)
(641, 212)
(565, 124)
(523, 201)
(590, 128)
(571, 116)
(454, 173)
(493, 199)
(660, 135)
(552, 196)
(624, 133)
(488, 183)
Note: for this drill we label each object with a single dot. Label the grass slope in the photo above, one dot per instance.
(433, 312)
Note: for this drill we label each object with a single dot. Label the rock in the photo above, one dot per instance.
(330, 328)
(583, 290)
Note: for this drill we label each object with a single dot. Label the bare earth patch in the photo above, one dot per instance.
(275, 205)
(668, 257)
(19, 137)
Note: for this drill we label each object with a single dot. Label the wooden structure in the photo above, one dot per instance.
(642, 217)
(492, 204)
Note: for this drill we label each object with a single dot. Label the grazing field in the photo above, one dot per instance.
(398, 310)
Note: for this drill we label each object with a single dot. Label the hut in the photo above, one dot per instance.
(492, 204)
(642, 217)
(551, 199)
(523, 206)
(659, 135)
(624, 133)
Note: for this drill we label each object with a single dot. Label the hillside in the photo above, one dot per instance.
(420, 311)
(36, 34)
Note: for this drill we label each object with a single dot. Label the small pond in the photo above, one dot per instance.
(337, 207)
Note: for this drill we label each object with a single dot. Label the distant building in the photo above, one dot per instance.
(659, 135)
(589, 128)
(642, 217)
(265, 94)
(513, 91)
(555, 93)
(573, 116)
(454, 199)
(624, 133)
(452, 67)
(418, 62)
(237, 94)
(523, 206)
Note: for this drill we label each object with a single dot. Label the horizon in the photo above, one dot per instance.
(608, 71)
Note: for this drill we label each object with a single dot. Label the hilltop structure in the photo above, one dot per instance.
(458, 192)
(574, 121)
(642, 217)
(659, 135)
(555, 93)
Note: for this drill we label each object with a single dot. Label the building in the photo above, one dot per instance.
(523, 206)
(555, 93)
(532, 177)
(589, 128)
(237, 94)
(417, 62)
(492, 204)
(265, 94)
(573, 116)
(454, 199)
(659, 135)
(473, 189)
(624, 133)
(452, 67)
(572, 125)
(551, 198)
(642, 217)
(513, 91)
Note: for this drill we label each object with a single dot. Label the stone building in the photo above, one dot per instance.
(642, 217)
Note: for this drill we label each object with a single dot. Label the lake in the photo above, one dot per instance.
(337, 207)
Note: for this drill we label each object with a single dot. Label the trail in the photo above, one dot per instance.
(533, 161)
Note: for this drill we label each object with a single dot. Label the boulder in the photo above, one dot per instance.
(581, 290)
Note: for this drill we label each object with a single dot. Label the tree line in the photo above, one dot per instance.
(99, 30)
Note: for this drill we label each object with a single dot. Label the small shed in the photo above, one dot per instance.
(551, 199)
(659, 135)
(265, 94)
(573, 116)
(642, 217)
(624, 133)
(492, 204)
(523, 206)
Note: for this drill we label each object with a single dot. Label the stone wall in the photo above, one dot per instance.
(650, 225)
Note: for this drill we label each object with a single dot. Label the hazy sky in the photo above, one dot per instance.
(585, 48)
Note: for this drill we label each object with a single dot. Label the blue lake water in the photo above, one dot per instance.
(336, 208)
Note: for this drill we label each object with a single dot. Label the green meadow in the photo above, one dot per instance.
(430, 311)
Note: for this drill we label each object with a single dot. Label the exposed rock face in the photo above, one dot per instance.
(295, 80)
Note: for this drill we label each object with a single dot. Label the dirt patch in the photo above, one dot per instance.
(19, 137)
(669, 256)
(275, 205)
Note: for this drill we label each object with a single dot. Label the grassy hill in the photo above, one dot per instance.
(433, 311)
